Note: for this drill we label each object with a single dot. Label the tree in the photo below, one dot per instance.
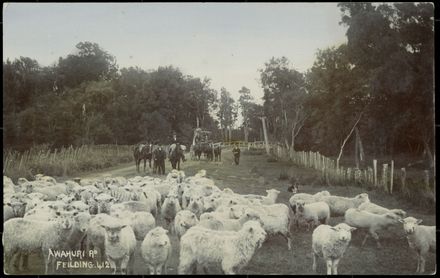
(89, 63)
(227, 113)
(245, 101)
(284, 95)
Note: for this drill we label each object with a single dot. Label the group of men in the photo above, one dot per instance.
(159, 155)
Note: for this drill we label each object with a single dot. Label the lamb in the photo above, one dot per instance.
(156, 250)
(339, 205)
(330, 243)
(169, 210)
(233, 250)
(24, 235)
(371, 221)
(120, 244)
(420, 238)
(373, 208)
(184, 220)
(313, 212)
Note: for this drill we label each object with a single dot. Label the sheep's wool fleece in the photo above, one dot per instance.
(153, 249)
(207, 246)
(326, 243)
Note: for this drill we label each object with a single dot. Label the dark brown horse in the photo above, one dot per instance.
(143, 152)
(176, 153)
(218, 153)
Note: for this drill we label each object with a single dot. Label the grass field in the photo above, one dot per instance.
(255, 175)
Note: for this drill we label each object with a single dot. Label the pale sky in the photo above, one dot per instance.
(227, 42)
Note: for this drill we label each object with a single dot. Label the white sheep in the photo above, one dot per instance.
(374, 208)
(196, 205)
(233, 250)
(330, 243)
(156, 250)
(133, 206)
(26, 236)
(276, 220)
(339, 205)
(307, 198)
(96, 234)
(170, 208)
(313, 213)
(270, 199)
(420, 238)
(184, 220)
(120, 244)
(104, 202)
(79, 206)
(140, 221)
(371, 221)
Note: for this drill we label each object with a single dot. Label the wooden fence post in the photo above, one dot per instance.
(375, 172)
(392, 177)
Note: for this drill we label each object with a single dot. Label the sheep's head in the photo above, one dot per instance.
(256, 232)
(113, 232)
(189, 220)
(410, 224)
(209, 204)
(399, 212)
(300, 206)
(17, 208)
(66, 218)
(82, 221)
(159, 237)
(343, 232)
(392, 217)
(363, 197)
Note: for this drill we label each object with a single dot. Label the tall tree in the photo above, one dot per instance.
(245, 101)
(284, 94)
(227, 113)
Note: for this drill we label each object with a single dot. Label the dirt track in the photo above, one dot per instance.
(255, 175)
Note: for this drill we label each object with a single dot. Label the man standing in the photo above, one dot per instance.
(236, 152)
(159, 161)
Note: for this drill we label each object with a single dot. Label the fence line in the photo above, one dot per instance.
(385, 177)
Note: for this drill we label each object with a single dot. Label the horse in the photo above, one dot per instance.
(197, 148)
(175, 154)
(142, 152)
(208, 150)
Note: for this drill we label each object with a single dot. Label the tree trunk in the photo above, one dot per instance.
(345, 140)
(246, 134)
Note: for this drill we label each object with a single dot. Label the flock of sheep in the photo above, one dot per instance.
(111, 215)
